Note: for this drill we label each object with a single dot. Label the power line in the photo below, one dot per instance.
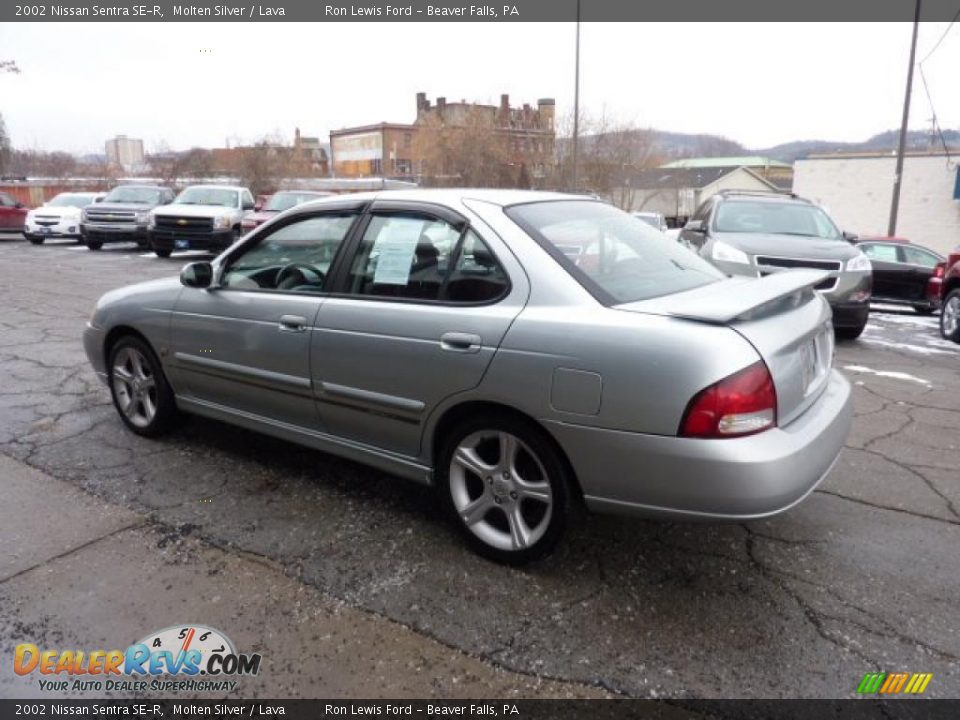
(936, 123)
(945, 32)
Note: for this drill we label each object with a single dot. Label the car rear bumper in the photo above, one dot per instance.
(93, 339)
(730, 479)
(212, 240)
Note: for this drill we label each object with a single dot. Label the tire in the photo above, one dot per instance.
(950, 316)
(140, 391)
(850, 333)
(162, 253)
(94, 244)
(35, 240)
(511, 511)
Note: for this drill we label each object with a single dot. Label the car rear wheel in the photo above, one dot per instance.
(140, 391)
(162, 253)
(36, 240)
(94, 244)
(505, 486)
(950, 317)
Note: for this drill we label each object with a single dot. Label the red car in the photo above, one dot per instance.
(277, 203)
(12, 213)
(949, 289)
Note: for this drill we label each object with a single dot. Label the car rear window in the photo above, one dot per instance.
(615, 256)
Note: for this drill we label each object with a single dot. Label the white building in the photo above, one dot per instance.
(676, 192)
(125, 152)
(857, 192)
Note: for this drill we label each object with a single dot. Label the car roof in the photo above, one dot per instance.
(450, 197)
(881, 239)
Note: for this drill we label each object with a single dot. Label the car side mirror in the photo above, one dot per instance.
(96, 200)
(695, 226)
(197, 275)
(850, 237)
(257, 207)
(249, 206)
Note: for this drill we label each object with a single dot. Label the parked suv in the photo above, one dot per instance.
(756, 234)
(58, 217)
(123, 215)
(202, 217)
(950, 297)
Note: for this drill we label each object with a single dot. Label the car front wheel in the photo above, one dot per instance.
(950, 317)
(162, 253)
(35, 240)
(506, 486)
(94, 244)
(140, 391)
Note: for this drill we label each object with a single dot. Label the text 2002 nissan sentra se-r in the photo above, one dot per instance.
(523, 352)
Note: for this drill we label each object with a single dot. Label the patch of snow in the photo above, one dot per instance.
(887, 374)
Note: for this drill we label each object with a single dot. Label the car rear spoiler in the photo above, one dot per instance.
(737, 298)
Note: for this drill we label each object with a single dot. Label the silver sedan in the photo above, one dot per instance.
(525, 353)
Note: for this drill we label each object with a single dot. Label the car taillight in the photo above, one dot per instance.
(742, 404)
(939, 270)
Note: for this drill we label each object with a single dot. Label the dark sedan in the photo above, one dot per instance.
(901, 272)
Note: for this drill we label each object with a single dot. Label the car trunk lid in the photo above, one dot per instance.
(780, 315)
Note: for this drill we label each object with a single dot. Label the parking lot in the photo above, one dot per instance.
(860, 577)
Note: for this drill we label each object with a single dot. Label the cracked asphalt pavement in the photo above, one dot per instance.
(863, 576)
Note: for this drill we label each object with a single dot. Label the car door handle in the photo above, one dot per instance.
(292, 323)
(460, 342)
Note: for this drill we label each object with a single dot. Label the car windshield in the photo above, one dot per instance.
(77, 200)
(135, 195)
(615, 256)
(775, 218)
(285, 200)
(208, 196)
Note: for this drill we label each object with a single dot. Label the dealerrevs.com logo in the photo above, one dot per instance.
(188, 658)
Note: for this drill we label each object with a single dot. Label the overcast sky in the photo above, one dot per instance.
(200, 84)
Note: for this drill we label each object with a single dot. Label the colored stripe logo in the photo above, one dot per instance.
(894, 683)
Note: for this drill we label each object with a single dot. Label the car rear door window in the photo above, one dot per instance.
(916, 256)
(418, 257)
(881, 253)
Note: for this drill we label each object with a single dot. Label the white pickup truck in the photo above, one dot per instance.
(202, 217)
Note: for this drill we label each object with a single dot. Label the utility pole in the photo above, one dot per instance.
(576, 106)
(898, 176)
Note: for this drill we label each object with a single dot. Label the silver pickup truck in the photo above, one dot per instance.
(123, 215)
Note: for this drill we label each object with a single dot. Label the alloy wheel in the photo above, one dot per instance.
(135, 386)
(500, 490)
(951, 316)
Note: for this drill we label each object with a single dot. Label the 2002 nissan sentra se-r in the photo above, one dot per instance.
(523, 352)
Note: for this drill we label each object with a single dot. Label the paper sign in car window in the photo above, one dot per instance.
(397, 245)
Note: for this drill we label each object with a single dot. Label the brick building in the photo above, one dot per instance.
(390, 149)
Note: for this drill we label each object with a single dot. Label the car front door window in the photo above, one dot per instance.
(293, 258)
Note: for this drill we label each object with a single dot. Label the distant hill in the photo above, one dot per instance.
(917, 141)
(672, 145)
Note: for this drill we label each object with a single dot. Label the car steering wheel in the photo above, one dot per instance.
(298, 273)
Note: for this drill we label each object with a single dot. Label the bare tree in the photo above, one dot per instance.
(609, 151)
(6, 149)
(472, 153)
